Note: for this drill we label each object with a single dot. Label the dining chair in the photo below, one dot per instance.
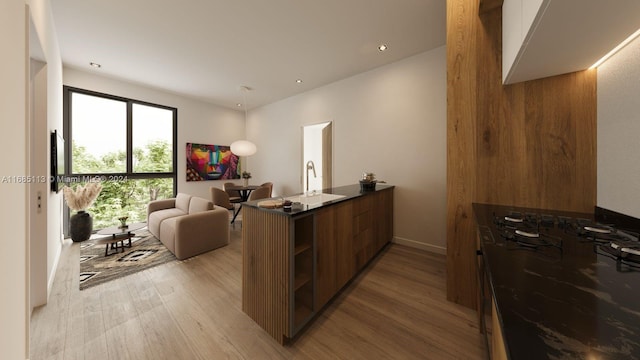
(262, 192)
(270, 186)
(221, 198)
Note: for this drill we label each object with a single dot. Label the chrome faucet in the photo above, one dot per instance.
(310, 166)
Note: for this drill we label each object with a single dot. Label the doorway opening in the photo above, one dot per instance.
(317, 157)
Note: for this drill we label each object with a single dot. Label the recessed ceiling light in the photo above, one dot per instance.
(239, 105)
(382, 47)
(298, 81)
(95, 65)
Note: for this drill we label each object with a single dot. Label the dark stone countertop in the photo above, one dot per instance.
(349, 192)
(579, 304)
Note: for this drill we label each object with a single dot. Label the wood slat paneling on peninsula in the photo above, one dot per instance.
(265, 261)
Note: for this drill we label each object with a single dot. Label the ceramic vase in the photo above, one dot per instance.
(80, 226)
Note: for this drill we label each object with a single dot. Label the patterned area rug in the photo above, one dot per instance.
(145, 252)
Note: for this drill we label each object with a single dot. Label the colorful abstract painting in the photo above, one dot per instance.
(211, 162)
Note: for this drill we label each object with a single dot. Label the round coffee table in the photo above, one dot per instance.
(117, 234)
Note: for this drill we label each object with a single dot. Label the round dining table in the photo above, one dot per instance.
(244, 191)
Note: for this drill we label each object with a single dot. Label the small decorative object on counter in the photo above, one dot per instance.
(286, 206)
(368, 181)
(369, 177)
(123, 222)
(271, 204)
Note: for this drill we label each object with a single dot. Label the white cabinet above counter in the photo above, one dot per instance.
(542, 38)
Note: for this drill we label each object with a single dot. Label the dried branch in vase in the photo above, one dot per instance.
(83, 196)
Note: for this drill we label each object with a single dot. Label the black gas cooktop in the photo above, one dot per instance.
(545, 233)
(566, 286)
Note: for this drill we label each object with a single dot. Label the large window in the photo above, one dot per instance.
(130, 145)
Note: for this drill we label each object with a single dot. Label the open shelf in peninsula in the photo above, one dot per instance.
(302, 248)
(303, 270)
(295, 262)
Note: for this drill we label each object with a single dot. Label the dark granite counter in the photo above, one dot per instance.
(570, 302)
(348, 192)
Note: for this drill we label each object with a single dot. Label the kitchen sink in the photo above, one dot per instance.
(314, 198)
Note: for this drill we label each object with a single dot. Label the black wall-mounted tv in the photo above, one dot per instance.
(57, 161)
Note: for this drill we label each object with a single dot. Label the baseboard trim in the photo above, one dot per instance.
(420, 245)
(54, 270)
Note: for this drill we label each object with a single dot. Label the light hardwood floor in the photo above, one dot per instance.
(394, 309)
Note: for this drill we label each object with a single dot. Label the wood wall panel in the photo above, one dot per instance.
(461, 145)
(528, 144)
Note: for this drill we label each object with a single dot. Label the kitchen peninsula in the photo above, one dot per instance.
(294, 262)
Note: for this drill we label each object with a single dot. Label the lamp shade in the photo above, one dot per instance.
(243, 148)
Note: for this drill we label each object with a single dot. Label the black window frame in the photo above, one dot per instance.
(129, 174)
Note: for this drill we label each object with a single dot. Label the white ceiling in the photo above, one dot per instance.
(208, 49)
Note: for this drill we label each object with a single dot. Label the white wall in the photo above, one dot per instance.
(13, 211)
(390, 121)
(43, 22)
(619, 131)
(198, 122)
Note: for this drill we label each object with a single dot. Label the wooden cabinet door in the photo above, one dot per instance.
(362, 231)
(325, 256)
(334, 254)
(343, 235)
(383, 219)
